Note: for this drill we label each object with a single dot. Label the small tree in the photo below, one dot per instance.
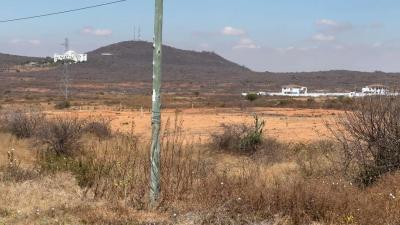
(251, 97)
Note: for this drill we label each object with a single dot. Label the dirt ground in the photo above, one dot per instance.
(285, 124)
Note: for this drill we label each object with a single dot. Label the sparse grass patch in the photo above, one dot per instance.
(317, 159)
(272, 151)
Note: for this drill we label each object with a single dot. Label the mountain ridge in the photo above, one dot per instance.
(185, 70)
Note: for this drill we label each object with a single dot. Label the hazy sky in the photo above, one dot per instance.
(265, 35)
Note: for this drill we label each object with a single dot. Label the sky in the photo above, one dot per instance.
(264, 35)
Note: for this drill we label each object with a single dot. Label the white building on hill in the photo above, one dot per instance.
(375, 89)
(72, 56)
(294, 90)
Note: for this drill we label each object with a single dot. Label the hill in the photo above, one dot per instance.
(127, 61)
(7, 60)
(127, 67)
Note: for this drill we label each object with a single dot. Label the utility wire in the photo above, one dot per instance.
(62, 12)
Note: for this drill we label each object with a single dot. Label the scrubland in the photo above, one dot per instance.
(62, 168)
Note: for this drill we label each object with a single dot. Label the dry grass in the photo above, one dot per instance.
(22, 150)
(34, 202)
(108, 184)
(59, 200)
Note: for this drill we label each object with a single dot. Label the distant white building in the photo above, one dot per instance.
(72, 56)
(375, 89)
(294, 90)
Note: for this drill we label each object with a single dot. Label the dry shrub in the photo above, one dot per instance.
(21, 124)
(65, 104)
(61, 136)
(241, 138)
(369, 134)
(101, 128)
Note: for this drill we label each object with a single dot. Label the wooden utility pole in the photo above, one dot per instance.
(156, 112)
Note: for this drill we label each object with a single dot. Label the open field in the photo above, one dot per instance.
(292, 175)
(286, 124)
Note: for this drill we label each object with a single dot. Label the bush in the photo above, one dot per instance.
(369, 133)
(240, 138)
(61, 135)
(66, 104)
(251, 97)
(100, 128)
(22, 124)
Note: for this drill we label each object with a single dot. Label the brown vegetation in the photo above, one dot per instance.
(106, 181)
(369, 134)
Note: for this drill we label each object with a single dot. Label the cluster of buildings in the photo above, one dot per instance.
(298, 90)
(71, 56)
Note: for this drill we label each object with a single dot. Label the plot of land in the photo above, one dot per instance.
(287, 124)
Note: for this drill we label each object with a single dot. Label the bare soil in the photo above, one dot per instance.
(285, 124)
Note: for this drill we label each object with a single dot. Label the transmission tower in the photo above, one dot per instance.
(65, 79)
(66, 44)
(134, 33)
(139, 34)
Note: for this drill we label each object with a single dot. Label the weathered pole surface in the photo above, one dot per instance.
(156, 105)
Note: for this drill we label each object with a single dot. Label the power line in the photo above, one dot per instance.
(61, 12)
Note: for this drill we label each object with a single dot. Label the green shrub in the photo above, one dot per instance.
(251, 97)
(241, 138)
